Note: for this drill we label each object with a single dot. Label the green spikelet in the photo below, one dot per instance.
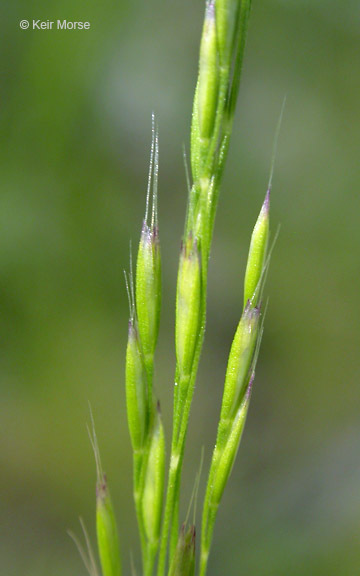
(148, 290)
(226, 17)
(106, 530)
(136, 389)
(148, 267)
(208, 83)
(183, 563)
(239, 379)
(240, 362)
(188, 305)
(257, 255)
(228, 452)
(152, 498)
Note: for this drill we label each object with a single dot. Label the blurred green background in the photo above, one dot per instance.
(75, 138)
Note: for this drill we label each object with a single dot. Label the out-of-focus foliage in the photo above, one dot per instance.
(75, 135)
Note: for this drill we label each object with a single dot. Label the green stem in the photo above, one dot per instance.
(180, 448)
(175, 524)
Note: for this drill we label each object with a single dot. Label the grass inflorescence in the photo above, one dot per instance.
(168, 544)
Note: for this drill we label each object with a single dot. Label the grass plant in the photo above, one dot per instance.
(166, 548)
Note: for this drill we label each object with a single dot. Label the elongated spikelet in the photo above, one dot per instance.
(257, 255)
(208, 84)
(188, 300)
(152, 498)
(183, 563)
(229, 451)
(136, 389)
(148, 290)
(107, 536)
(226, 17)
(240, 362)
(148, 266)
